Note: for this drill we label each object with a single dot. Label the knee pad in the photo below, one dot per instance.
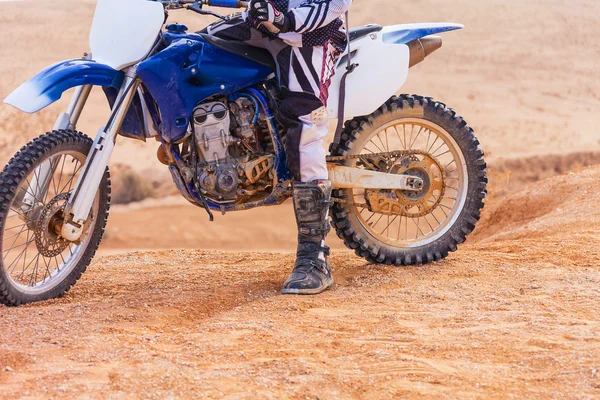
(320, 116)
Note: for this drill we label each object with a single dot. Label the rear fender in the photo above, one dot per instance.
(48, 85)
(383, 60)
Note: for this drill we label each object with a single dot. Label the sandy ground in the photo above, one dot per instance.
(513, 314)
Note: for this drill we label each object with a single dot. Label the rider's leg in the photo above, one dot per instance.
(304, 113)
(306, 128)
(304, 75)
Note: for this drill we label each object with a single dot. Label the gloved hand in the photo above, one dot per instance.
(264, 13)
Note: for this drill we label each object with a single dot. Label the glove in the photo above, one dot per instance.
(263, 13)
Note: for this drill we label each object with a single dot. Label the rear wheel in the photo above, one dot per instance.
(415, 136)
(37, 263)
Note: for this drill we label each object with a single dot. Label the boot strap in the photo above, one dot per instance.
(311, 248)
(306, 265)
(305, 230)
(326, 203)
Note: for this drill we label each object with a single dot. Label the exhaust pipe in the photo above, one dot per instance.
(421, 48)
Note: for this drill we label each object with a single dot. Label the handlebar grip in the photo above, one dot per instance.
(226, 3)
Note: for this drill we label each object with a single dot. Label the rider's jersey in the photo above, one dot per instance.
(317, 22)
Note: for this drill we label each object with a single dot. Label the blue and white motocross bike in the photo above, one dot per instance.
(409, 179)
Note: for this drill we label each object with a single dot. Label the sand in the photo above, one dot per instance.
(513, 314)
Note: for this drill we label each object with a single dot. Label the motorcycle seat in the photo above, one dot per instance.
(262, 56)
(362, 31)
(256, 54)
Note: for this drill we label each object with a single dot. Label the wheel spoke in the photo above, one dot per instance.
(387, 228)
(430, 227)
(16, 261)
(416, 137)
(375, 144)
(433, 144)
(375, 224)
(444, 153)
(436, 220)
(26, 247)
(369, 150)
(47, 272)
(62, 168)
(387, 143)
(399, 139)
(436, 150)
(15, 241)
(372, 215)
(381, 141)
(70, 181)
(14, 227)
(37, 199)
(419, 228)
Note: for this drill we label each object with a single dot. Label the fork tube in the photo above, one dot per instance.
(81, 200)
(78, 101)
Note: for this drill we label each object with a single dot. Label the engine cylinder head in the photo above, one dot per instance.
(211, 124)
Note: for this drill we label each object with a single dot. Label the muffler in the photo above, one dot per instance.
(421, 48)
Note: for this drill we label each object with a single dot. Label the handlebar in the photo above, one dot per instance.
(174, 4)
(226, 3)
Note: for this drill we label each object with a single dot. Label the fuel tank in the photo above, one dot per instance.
(188, 70)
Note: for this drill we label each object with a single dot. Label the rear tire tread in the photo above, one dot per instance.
(372, 249)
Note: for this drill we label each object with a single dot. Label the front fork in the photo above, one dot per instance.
(77, 210)
(43, 174)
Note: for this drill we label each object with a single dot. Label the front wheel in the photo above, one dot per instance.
(37, 263)
(415, 136)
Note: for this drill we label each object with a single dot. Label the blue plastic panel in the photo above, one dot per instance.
(48, 85)
(224, 3)
(403, 34)
(188, 71)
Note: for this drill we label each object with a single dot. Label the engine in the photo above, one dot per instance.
(232, 166)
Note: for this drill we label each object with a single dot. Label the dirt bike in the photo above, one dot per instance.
(409, 179)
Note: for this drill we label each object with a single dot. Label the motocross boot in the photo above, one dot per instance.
(312, 273)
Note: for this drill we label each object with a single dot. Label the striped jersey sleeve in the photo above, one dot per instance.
(314, 14)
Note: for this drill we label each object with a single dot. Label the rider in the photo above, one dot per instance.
(304, 37)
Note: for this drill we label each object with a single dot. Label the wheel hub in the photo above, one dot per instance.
(413, 204)
(47, 231)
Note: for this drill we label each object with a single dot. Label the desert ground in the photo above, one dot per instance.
(177, 307)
